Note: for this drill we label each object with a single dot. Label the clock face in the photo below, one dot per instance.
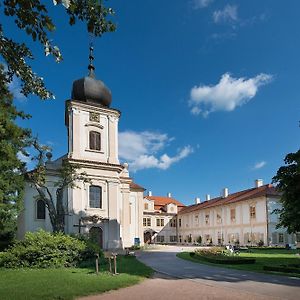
(94, 117)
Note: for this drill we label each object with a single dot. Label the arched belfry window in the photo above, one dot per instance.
(40, 210)
(95, 196)
(95, 140)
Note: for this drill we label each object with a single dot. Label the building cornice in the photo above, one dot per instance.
(92, 107)
(96, 165)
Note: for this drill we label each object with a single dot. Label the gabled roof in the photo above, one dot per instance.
(134, 186)
(162, 201)
(265, 190)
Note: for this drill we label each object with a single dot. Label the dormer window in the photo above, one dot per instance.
(95, 140)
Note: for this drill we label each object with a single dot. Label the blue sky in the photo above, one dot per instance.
(208, 90)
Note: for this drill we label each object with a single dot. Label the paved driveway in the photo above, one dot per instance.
(164, 260)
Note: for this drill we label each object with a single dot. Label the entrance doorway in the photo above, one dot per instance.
(96, 235)
(147, 237)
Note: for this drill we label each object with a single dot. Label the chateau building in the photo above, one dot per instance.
(110, 207)
(159, 219)
(244, 218)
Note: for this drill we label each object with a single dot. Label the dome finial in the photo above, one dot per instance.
(91, 58)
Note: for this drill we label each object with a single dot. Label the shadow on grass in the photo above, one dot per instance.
(125, 264)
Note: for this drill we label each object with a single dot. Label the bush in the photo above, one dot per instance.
(43, 250)
(91, 248)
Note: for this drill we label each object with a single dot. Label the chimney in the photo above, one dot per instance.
(258, 183)
(197, 200)
(149, 193)
(169, 195)
(225, 193)
(207, 197)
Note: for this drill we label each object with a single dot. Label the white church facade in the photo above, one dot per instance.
(110, 207)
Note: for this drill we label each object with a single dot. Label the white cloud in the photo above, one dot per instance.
(259, 165)
(197, 4)
(228, 14)
(24, 158)
(226, 95)
(140, 150)
(15, 88)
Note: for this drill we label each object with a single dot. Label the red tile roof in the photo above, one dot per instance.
(159, 201)
(265, 190)
(135, 186)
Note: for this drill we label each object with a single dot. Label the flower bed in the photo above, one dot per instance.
(218, 255)
(222, 259)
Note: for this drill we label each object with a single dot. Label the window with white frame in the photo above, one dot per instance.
(252, 211)
(95, 140)
(232, 215)
(146, 222)
(160, 239)
(95, 196)
(173, 238)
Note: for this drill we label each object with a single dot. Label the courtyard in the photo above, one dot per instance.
(176, 278)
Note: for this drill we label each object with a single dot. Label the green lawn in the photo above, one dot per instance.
(270, 257)
(68, 283)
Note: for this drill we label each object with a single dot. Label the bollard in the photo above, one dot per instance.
(97, 263)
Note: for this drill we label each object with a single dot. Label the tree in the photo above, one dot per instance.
(67, 176)
(287, 182)
(13, 140)
(32, 18)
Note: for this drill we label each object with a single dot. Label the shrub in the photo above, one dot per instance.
(283, 269)
(43, 250)
(91, 248)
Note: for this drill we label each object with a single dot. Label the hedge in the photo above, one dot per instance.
(283, 269)
(226, 260)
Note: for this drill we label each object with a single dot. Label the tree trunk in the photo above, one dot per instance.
(60, 211)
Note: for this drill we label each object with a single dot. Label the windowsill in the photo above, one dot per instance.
(94, 151)
(94, 209)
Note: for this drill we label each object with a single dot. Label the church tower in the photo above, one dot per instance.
(92, 124)
(103, 207)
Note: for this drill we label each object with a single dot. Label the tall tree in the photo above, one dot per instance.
(32, 17)
(13, 141)
(287, 181)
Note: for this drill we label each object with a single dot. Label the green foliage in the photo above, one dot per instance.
(283, 268)
(43, 250)
(223, 259)
(13, 140)
(68, 283)
(288, 183)
(263, 257)
(91, 248)
(33, 19)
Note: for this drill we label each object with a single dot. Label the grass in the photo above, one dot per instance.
(68, 283)
(269, 257)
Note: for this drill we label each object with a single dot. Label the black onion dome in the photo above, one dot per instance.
(91, 90)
